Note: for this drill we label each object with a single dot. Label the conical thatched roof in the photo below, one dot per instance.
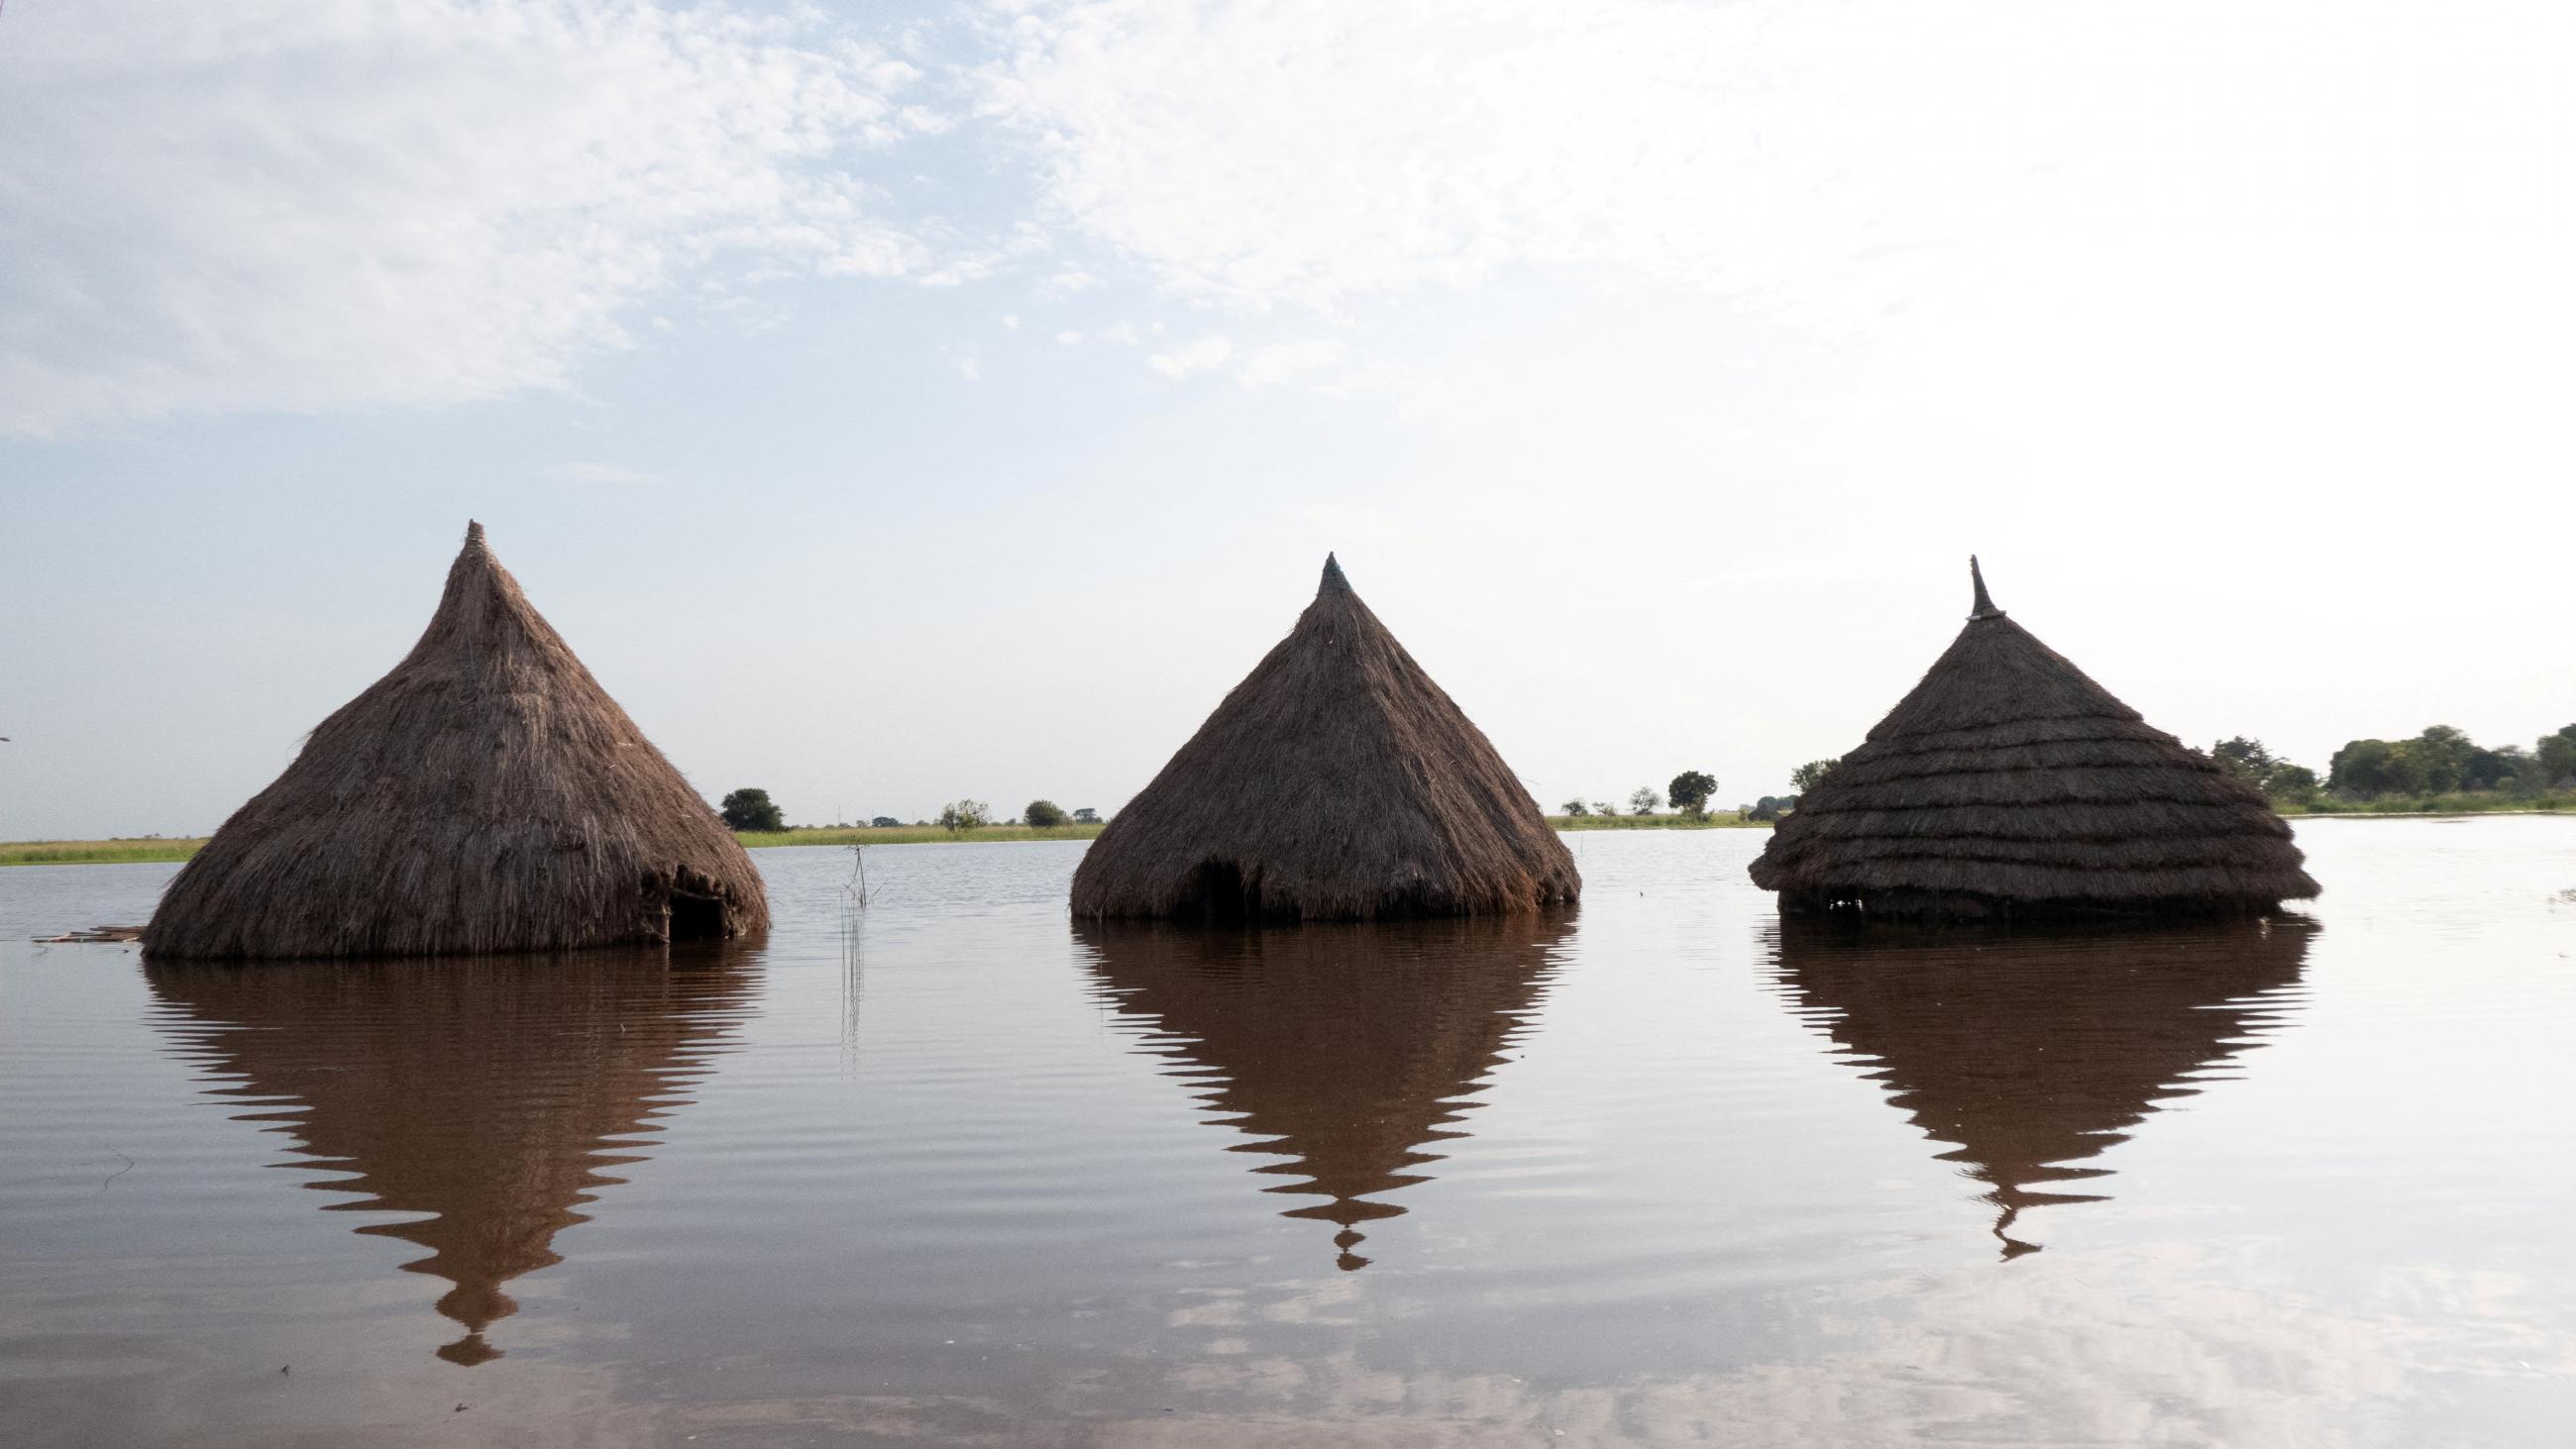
(1348, 1051)
(2031, 1054)
(1336, 782)
(2009, 784)
(487, 795)
(495, 1101)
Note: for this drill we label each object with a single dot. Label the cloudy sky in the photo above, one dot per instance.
(899, 402)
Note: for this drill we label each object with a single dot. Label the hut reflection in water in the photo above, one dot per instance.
(2032, 1053)
(1348, 1049)
(491, 1094)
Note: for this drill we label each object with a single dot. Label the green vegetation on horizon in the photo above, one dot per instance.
(906, 834)
(94, 852)
(134, 852)
(1714, 820)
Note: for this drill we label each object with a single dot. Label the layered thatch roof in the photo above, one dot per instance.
(487, 795)
(493, 1100)
(1340, 1052)
(2033, 1053)
(2010, 785)
(1336, 782)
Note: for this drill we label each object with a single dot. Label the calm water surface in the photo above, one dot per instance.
(1657, 1172)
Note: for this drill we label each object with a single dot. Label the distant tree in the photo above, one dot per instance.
(1604, 807)
(1766, 808)
(1575, 807)
(2293, 784)
(883, 821)
(1643, 800)
(959, 816)
(1690, 791)
(2488, 769)
(1811, 774)
(2244, 758)
(2555, 757)
(2440, 756)
(2364, 768)
(1043, 814)
(752, 810)
(1085, 815)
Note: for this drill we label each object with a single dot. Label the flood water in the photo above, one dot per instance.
(1658, 1172)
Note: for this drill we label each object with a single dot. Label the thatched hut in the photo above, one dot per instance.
(2008, 785)
(1336, 782)
(488, 1105)
(485, 796)
(1345, 1054)
(2030, 1054)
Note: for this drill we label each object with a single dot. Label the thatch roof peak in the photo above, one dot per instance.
(1983, 606)
(1333, 582)
(1337, 781)
(485, 795)
(473, 534)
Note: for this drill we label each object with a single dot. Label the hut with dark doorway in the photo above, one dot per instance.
(1336, 782)
(1344, 1056)
(2010, 786)
(2030, 1053)
(487, 1104)
(485, 796)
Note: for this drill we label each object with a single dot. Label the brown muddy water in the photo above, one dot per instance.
(1655, 1173)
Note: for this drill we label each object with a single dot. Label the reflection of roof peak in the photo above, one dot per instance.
(1346, 1050)
(2032, 1054)
(471, 1112)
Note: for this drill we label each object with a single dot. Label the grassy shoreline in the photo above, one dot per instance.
(135, 852)
(1716, 820)
(2483, 802)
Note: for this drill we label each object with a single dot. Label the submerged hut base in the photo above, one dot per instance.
(1943, 907)
(1225, 893)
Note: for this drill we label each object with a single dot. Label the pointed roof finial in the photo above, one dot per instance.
(1985, 607)
(1333, 580)
(473, 534)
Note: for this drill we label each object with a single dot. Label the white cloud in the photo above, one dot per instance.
(1283, 360)
(1069, 339)
(1829, 162)
(605, 473)
(1205, 355)
(309, 204)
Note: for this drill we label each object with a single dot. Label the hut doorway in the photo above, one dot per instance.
(1218, 893)
(696, 917)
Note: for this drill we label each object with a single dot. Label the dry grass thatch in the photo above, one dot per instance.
(485, 796)
(2031, 1053)
(1351, 1052)
(1336, 782)
(2009, 784)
